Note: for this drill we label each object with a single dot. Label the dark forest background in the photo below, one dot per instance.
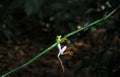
(27, 27)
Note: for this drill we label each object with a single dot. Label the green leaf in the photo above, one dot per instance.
(17, 4)
(57, 6)
(32, 6)
(6, 31)
(93, 29)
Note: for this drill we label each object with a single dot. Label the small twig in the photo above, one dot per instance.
(56, 43)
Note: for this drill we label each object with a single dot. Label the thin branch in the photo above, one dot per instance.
(56, 43)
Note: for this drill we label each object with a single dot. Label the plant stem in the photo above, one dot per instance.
(30, 61)
(56, 43)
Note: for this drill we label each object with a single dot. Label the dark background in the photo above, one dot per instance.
(27, 27)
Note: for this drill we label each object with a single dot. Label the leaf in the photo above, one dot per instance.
(17, 4)
(93, 29)
(6, 31)
(32, 6)
(57, 6)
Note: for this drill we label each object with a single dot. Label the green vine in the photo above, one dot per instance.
(57, 42)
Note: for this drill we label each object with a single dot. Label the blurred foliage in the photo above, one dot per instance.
(55, 16)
